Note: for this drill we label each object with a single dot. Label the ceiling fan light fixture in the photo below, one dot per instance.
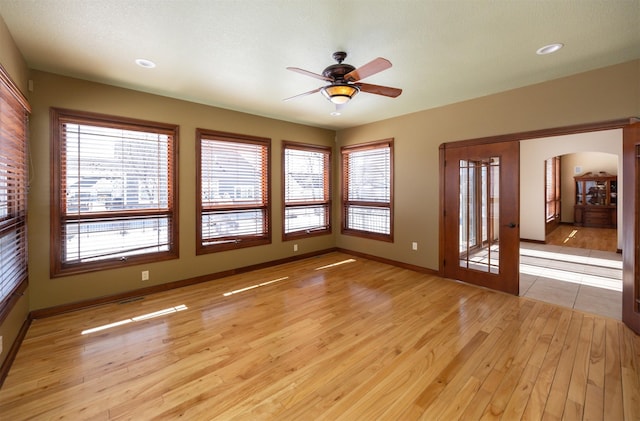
(339, 93)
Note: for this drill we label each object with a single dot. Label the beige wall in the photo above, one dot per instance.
(599, 95)
(56, 91)
(14, 64)
(575, 149)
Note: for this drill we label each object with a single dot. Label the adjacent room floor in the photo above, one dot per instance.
(580, 278)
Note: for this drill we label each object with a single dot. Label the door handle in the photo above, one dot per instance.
(511, 225)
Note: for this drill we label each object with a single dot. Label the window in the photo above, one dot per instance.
(307, 190)
(232, 173)
(367, 191)
(14, 110)
(552, 189)
(114, 184)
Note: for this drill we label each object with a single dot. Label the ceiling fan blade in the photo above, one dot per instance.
(379, 90)
(374, 66)
(308, 73)
(303, 94)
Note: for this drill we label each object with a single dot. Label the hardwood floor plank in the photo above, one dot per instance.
(542, 386)
(358, 340)
(574, 408)
(554, 407)
(612, 375)
(594, 396)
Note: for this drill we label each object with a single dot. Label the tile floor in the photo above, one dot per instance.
(587, 280)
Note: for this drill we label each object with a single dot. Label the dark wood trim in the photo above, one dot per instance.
(13, 89)
(60, 116)
(631, 232)
(242, 241)
(328, 204)
(535, 134)
(528, 240)
(344, 202)
(396, 263)
(7, 305)
(13, 351)
(441, 209)
(65, 308)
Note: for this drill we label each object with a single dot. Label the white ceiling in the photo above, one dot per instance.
(233, 53)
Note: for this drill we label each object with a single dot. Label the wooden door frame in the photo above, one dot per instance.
(630, 215)
(629, 237)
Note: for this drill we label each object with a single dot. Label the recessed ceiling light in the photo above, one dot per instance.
(147, 64)
(548, 49)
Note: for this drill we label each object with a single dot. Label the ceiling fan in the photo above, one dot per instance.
(345, 80)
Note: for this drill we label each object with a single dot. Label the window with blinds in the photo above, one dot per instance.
(233, 190)
(14, 110)
(552, 189)
(307, 190)
(367, 191)
(114, 192)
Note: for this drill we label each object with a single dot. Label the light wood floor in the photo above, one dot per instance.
(358, 341)
(605, 239)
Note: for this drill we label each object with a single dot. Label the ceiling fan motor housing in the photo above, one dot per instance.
(337, 71)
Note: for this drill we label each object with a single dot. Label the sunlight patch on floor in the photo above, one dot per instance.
(336, 264)
(226, 294)
(147, 316)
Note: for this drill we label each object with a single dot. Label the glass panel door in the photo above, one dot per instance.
(479, 209)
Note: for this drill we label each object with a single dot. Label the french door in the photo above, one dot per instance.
(481, 238)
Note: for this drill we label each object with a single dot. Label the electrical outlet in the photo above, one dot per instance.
(295, 247)
(145, 275)
(414, 246)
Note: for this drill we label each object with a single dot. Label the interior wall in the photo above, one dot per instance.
(51, 90)
(534, 152)
(575, 164)
(605, 94)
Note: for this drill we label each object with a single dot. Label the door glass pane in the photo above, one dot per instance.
(479, 214)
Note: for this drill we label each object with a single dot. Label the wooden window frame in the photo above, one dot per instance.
(555, 187)
(327, 187)
(14, 115)
(346, 203)
(239, 241)
(58, 118)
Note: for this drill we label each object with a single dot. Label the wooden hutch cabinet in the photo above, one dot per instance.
(596, 200)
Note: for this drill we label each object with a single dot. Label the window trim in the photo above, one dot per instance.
(60, 116)
(553, 184)
(345, 203)
(328, 203)
(243, 242)
(9, 88)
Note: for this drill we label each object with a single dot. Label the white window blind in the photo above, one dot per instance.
(307, 204)
(234, 192)
(13, 192)
(117, 192)
(367, 176)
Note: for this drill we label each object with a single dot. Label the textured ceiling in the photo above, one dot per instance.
(233, 53)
